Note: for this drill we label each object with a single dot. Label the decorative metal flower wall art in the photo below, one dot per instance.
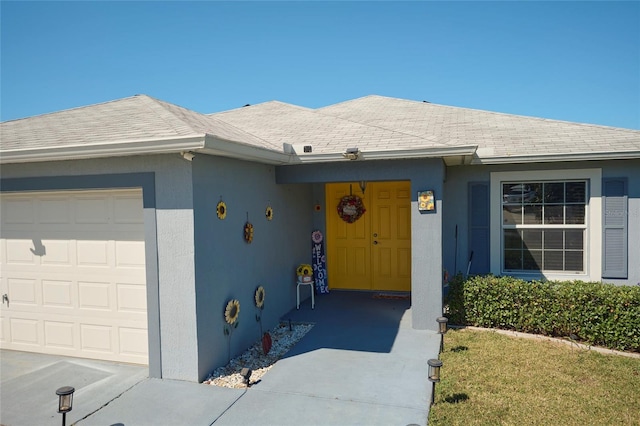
(259, 297)
(248, 232)
(231, 312)
(268, 213)
(221, 210)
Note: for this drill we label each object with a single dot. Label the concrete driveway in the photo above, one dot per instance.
(28, 384)
(361, 364)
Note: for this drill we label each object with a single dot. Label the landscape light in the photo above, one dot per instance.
(65, 401)
(434, 376)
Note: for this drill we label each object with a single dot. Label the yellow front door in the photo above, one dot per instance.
(373, 253)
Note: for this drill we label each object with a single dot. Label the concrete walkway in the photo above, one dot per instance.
(361, 364)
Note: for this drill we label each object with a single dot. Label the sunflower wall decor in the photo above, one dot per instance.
(268, 213)
(231, 312)
(259, 297)
(221, 210)
(351, 208)
(248, 232)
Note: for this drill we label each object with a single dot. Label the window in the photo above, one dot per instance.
(544, 226)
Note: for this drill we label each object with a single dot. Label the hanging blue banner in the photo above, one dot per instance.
(319, 262)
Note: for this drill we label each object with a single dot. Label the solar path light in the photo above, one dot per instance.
(65, 401)
(442, 330)
(246, 375)
(434, 376)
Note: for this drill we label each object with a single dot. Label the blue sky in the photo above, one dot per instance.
(574, 61)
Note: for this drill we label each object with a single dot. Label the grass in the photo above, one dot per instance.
(493, 379)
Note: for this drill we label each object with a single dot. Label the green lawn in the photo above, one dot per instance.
(493, 379)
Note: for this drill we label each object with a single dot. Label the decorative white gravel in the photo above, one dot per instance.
(255, 359)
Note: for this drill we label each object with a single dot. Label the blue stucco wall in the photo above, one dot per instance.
(455, 206)
(229, 268)
(426, 246)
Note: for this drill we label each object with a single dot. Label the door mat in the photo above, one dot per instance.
(396, 296)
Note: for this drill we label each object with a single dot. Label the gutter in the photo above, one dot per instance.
(555, 158)
(119, 149)
(439, 152)
(225, 148)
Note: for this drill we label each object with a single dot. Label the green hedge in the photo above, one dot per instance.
(599, 314)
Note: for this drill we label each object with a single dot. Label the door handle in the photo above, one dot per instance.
(375, 243)
(5, 298)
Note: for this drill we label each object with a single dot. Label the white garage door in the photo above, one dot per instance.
(73, 272)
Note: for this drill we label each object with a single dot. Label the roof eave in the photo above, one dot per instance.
(225, 148)
(555, 158)
(118, 149)
(451, 155)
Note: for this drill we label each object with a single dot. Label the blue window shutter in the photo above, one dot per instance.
(614, 228)
(479, 227)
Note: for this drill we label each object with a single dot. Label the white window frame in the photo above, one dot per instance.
(593, 210)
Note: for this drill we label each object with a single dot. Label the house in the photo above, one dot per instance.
(113, 248)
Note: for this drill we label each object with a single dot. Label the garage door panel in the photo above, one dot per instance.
(94, 296)
(20, 252)
(129, 254)
(23, 291)
(73, 264)
(57, 252)
(131, 298)
(128, 210)
(57, 294)
(133, 342)
(54, 210)
(93, 210)
(24, 331)
(92, 253)
(59, 334)
(96, 338)
(19, 210)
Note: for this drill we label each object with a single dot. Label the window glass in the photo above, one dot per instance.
(532, 260)
(574, 239)
(513, 260)
(553, 214)
(575, 192)
(574, 260)
(533, 214)
(512, 239)
(532, 239)
(544, 226)
(512, 215)
(553, 260)
(575, 214)
(554, 192)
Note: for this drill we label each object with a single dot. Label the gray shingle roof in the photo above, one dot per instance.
(496, 134)
(281, 123)
(138, 117)
(372, 123)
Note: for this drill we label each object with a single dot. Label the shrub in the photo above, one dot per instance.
(599, 314)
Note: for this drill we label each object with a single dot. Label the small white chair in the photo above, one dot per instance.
(313, 299)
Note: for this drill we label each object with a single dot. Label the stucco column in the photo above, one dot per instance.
(426, 258)
(176, 273)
